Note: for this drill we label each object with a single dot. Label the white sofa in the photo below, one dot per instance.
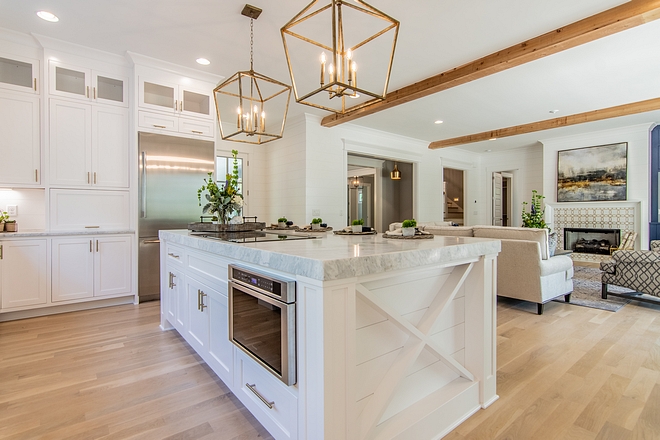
(524, 268)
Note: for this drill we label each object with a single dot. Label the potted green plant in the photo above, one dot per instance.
(316, 223)
(535, 218)
(224, 201)
(357, 225)
(281, 222)
(3, 218)
(408, 227)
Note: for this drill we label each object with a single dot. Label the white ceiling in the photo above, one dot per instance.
(435, 36)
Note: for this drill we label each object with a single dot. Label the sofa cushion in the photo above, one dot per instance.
(510, 233)
(456, 231)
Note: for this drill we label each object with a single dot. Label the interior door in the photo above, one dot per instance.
(497, 199)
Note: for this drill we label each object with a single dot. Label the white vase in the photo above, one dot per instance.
(408, 232)
(316, 225)
(281, 224)
(356, 228)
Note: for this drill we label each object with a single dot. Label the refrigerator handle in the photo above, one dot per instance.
(143, 207)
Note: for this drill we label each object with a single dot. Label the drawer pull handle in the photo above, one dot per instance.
(172, 255)
(197, 132)
(159, 126)
(256, 393)
(91, 227)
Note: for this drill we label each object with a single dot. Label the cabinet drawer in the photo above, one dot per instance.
(195, 126)
(210, 267)
(175, 254)
(158, 121)
(282, 419)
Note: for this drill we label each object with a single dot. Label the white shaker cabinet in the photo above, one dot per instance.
(89, 145)
(91, 266)
(23, 273)
(19, 74)
(20, 145)
(87, 84)
(177, 99)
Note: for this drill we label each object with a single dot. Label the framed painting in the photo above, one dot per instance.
(593, 174)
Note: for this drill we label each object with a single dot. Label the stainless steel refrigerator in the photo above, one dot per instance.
(170, 170)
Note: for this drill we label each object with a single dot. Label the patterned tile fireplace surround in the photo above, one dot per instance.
(603, 215)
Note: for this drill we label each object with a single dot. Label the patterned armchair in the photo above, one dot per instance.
(637, 270)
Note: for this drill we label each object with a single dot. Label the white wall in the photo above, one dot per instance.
(526, 165)
(638, 139)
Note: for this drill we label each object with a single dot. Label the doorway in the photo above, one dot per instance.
(453, 190)
(502, 199)
(361, 199)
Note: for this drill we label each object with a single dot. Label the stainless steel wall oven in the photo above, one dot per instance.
(262, 319)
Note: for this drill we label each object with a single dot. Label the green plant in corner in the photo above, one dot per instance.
(317, 221)
(409, 223)
(535, 217)
(358, 222)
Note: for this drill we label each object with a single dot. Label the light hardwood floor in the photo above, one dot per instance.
(571, 373)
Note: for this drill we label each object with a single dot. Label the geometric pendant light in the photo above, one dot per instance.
(251, 107)
(326, 43)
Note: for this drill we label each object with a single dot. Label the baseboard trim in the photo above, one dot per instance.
(64, 308)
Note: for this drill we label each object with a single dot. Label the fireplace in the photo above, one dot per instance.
(591, 240)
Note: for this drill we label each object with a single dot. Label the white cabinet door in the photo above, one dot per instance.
(175, 288)
(158, 95)
(109, 89)
(196, 103)
(19, 74)
(20, 146)
(110, 150)
(69, 80)
(70, 143)
(197, 333)
(221, 350)
(24, 273)
(112, 265)
(72, 271)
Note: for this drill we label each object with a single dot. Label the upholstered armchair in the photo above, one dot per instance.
(637, 270)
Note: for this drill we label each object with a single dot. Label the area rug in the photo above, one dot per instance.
(587, 291)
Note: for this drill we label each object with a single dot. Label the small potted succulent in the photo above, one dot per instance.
(408, 227)
(11, 226)
(357, 225)
(316, 223)
(281, 222)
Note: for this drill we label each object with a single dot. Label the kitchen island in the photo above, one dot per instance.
(394, 338)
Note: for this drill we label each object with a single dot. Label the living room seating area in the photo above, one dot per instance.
(525, 269)
(637, 270)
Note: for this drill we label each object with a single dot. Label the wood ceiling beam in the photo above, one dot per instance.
(620, 18)
(565, 121)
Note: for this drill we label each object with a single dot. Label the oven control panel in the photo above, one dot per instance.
(281, 289)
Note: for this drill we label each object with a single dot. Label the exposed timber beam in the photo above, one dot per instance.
(565, 121)
(620, 18)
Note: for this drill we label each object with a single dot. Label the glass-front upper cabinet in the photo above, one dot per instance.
(19, 73)
(87, 84)
(176, 98)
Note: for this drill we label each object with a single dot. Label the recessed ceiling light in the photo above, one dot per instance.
(48, 16)
(492, 139)
(203, 61)
(488, 151)
(438, 122)
(554, 111)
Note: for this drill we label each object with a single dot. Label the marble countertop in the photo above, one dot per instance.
(334, 257)
(42, 233)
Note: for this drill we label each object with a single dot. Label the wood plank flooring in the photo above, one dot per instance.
(571, 373)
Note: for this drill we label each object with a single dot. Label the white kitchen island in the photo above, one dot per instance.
(395, 338)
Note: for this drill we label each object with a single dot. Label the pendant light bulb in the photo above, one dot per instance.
(395, 174)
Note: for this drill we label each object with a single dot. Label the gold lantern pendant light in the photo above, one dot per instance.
(395, 174)
(251, 107)
(360, 33)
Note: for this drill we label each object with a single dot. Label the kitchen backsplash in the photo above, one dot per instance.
(31, 207)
